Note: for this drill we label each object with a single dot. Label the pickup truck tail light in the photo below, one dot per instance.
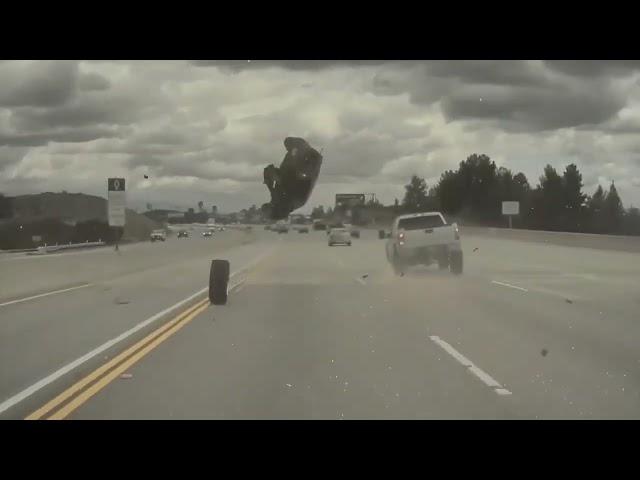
(456, 233)
(401, 238)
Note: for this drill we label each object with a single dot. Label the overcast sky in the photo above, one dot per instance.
(204, 130)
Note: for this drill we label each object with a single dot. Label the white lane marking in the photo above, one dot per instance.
(20, 300)
(27, 392)
(509, 285)
(487, 379)
(452, 351)
(238, 286)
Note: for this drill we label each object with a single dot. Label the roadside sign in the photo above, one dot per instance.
(510, 208)
(117, 200)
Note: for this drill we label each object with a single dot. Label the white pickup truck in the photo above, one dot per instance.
(424, 238)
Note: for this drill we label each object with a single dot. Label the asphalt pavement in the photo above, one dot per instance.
(529, 331)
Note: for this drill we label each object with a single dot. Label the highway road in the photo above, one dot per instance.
(529, 331)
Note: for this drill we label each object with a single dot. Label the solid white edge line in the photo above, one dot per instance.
(20, 300)
(483, 376)
(27, 392)
(509, 285)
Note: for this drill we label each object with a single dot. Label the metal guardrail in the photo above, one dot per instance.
(69, 246)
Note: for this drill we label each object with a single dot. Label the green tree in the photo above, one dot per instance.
(6, 207)
(574, 199)
(548, 200)
(595, 209)
(317, 212)
(613, 209)
(415, 197)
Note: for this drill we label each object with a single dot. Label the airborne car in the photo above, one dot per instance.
(291, 185)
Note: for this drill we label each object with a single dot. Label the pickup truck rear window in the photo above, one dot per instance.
(420, 223)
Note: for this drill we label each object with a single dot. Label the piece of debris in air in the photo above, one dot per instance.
(291, 184)
(126, 376)
(475, 249)
(568, 301)
(289, 385)
(146, 176)
(366, 275)
(121, 301)
(544, 352)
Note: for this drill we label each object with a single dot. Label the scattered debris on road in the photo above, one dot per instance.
(289, 385)
(475, 249)
(544, 352)
(126, 376)
(568, 301)
(365, 275)
(121, 301)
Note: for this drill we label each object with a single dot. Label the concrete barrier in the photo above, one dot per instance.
(570, 239)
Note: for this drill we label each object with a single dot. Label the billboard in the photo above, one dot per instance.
(349, 200)
(510, 208)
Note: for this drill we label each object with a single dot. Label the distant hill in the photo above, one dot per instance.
(71, 209)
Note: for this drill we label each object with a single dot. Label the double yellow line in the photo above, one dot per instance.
(75, 396)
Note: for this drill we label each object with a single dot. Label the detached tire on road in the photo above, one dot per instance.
(455, 264)
(218, 282)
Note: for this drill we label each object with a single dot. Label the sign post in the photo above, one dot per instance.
(510, 209)
(117, 200)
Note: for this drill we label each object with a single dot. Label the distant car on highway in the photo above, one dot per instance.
(183, 234)
(303, 230)
(207, 233)
(158, 235)
(339, 236)
(281, 227)
(424, 238)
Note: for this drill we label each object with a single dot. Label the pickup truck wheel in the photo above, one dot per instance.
(456, 263)
(218, 282)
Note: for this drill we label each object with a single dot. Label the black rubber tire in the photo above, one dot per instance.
(456, 263)
(218, 282)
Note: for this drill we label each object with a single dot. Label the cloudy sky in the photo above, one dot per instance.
(204, 130)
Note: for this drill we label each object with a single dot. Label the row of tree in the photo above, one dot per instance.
(475, 191)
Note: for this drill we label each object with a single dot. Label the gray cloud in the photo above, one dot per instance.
(236, 65)
(37, 83)
(197, 130)
(92, 82)
(75, 135)
(589, 68)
